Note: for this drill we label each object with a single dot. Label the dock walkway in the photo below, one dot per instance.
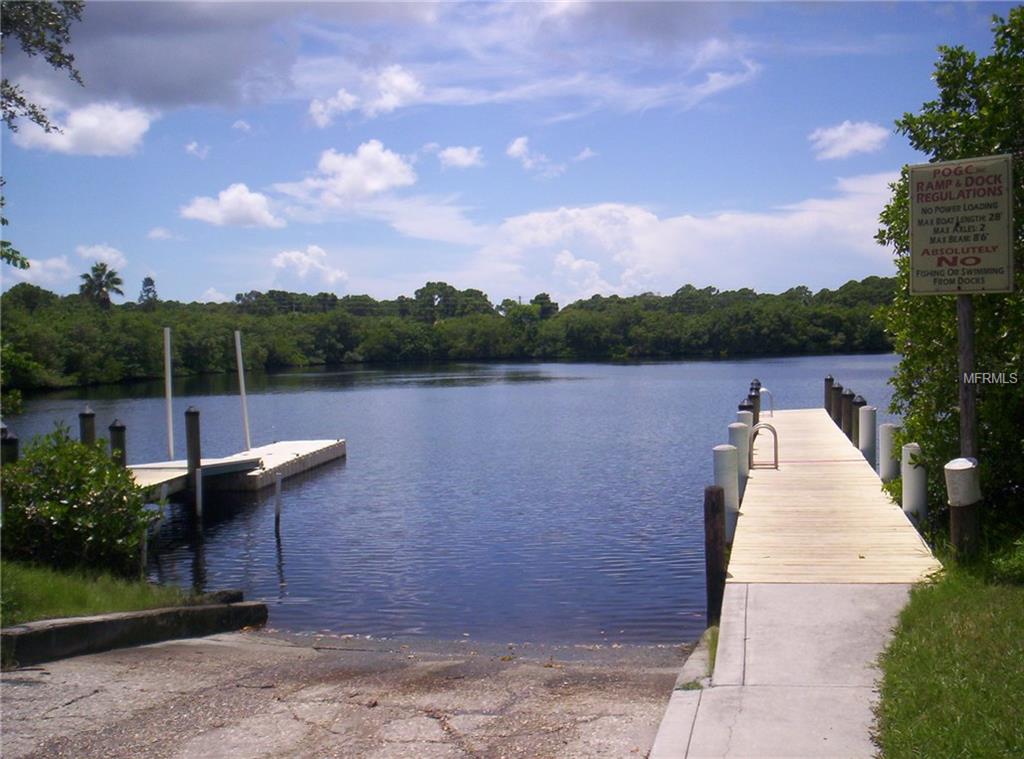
(821, 565)
(254, 469)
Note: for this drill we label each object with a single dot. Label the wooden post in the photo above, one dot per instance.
(8, 445)
(829, 380)
(968, 391)
(118, 443)
(846, 409)
(167, 393)
(746, 406)
(963, 488)
(193, 453)
(857, 404)
(755, 401)
(837, 404)
(199, 495)
(87, 426)
(714, 550)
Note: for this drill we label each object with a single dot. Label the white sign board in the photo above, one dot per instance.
(961, 226)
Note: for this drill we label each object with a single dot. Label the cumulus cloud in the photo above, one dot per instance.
(235, 206)
(47, 272)
(847, 138)
(99, 129)
(111, 256)
(532, 160)
(323, 111)
(199, 151)
(460, 157)
(311, 262)
(582, 275)
(213, 295)
(343, 178)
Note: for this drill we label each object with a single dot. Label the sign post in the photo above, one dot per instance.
(961, 243)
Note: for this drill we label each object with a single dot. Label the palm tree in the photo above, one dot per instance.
(99, 283)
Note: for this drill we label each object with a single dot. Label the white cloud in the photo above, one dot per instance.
(213, 295)
(160, 233)
(49, 271)
(531, 160)
(111, 256)
(461, 157)
(395, 87)
(323, 111)
(343, 178)
(847, 138)
(199, 151)
(236, 205)
(582, 275)
(99, 129)
(584, 155)
(311, 261)
(242, 126)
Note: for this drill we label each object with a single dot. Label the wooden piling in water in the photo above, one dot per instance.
(87, 426)
(714, 551)
(857, 404)
(829, 381)
(846, 411)
(118, 443)
(8, 445)
(836, 409)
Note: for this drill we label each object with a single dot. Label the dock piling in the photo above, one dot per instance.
(118, 443)
(739, 436)
(87, 426)
(846, 411)
(727, 478)
(857, 404)
(915, 483)
(835, 410)
(755, 400)
(829, 381)
(193, 454)
(714, 551)
(963, 488)
(8, 445)
(888, 467)
(867, 416)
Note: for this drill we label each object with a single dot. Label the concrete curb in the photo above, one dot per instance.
(673, 737)
(49, 639)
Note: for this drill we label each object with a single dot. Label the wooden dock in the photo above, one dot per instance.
(249, 470)
(822, 516)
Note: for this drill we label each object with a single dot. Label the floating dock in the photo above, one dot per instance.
(249, 470)
(822, 563)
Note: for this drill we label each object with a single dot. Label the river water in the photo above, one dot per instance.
(555, 503)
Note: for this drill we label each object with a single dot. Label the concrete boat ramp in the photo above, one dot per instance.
(249, 470)
(822, 563)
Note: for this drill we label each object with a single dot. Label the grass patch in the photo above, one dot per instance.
(953, 682)
(29, 593)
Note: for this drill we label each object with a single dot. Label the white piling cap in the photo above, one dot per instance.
(738, 425)
(963, 486)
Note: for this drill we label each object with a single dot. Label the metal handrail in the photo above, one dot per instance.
(771, 408)
(753, 435)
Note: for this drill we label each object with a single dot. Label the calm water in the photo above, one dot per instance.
(556, 503)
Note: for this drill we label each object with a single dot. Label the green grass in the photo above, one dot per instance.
(953, 681)
(29, 593)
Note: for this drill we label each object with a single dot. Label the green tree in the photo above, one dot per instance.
(99, 283)
(147, 295)
(41, 28)
(979, 111)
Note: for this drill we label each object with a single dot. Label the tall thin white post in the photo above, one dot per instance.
(241, 388)
(915, 483)
(866, 432)
(739, 436)
(167, 393)
(888, 463)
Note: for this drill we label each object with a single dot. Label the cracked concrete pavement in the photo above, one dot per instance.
(266, 694)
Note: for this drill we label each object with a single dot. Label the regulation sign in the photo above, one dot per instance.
(961, 226)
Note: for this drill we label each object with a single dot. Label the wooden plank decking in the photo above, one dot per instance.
(822, 516)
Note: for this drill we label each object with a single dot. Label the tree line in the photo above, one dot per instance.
(52, 341)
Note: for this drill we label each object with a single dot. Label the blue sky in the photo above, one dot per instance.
(571, 148)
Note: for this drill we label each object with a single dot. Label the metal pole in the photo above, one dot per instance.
(968, 391)
(241, 388)
(167, 393)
